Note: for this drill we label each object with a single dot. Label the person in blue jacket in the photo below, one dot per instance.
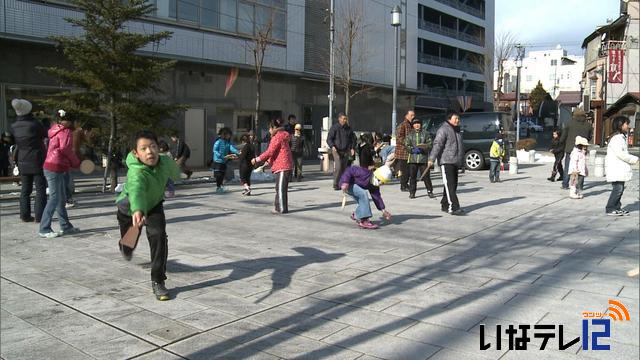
(223, 151)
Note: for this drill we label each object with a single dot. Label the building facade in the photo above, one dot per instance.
(556, 70)
(211, 37)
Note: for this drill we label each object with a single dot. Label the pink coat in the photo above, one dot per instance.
(278, 153)
(578, 162)
(60, 154)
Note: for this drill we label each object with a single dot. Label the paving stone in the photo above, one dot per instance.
(298, 323)
(209, 346)
(153, 327)
(206, 319)
(50, 348)
(436, 315)
(122, 347)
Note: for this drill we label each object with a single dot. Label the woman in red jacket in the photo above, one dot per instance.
(278, 154)
(60, 159)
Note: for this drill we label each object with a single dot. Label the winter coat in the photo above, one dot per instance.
(60, 155)
(385, 151)
(145, 185)
(247, 153)
(361, 176)
(557, 147)
(222, 148)
(341, 137)
(619, 160)
(420, 140)
(29, 135)
(182, 150)
(297, 144)
(447, 146)
(366, 154)
(496, 151)
(575, 127)
(578, 162)
(403, 129)
(278, 154)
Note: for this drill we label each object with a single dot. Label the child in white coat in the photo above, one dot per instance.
(578, 168)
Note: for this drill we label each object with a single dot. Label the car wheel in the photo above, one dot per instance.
(474, 160)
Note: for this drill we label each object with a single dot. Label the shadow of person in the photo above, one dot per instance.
(284, 267)
(490, 203)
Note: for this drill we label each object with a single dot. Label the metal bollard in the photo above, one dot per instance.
(592, 157)
(532, 156)
(513, 165)
(599, 166)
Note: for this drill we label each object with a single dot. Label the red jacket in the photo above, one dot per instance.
(278, 153)
(60, 154)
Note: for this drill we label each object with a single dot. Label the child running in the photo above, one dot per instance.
(278, 154)
(223, 151)
(247, 153)
(359, 182)
(140, 203)
(578, 168)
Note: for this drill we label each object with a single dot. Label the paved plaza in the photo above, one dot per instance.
(247, 284)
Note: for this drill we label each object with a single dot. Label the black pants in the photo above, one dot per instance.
(297, 162)
(340, 163)
(403, 168)
(415, 170)
(557, 166)
(156, 235)
(616, 194)
(282, 187)
(25, 195)
(245, 173)
(449, 200)
(219, 170)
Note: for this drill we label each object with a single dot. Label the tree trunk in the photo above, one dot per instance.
(255, 118)
(112, 136)
(347, 97)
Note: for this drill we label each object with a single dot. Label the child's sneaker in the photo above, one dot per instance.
(70, 204)
(219, 190)
(160, 291)
(366, 224)
(169, 194)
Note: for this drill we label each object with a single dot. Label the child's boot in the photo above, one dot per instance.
(573, 194)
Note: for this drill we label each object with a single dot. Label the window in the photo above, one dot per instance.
(209, 13)
(228, 15)
(562, 76)
(529, 78)
(593, 89)
(554, 62)
(245, 18)
(188, 10)
(568, 76)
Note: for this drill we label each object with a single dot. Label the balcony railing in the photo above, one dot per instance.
(463, 7)
(449, 32)
(448, 63)
(446, 93)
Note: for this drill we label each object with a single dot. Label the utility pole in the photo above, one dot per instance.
(519, 57)
(331, 62)
(395, 22)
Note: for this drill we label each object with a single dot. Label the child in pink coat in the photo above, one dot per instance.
(578, 168)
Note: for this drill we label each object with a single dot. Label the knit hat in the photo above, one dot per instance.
(416, 121)
(382, 175)
(21, 106)
(581, 141)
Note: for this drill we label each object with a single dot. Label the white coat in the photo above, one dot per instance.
(619, 160)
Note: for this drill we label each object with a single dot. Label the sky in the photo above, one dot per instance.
(543, 24)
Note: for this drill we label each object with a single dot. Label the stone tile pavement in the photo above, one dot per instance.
(311, 285)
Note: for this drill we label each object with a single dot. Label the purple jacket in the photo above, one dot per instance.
(356, 175)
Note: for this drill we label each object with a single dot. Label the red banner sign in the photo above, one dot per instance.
(616, 65)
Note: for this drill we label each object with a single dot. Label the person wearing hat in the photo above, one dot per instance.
(297, 151)
(619, 163)
(29, 135)
(401, 152)
(418, 143)
(578, 167)
(577, 126)
(496, 154)
(360, 182)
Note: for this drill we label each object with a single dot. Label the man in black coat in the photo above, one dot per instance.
(341, 141)
(577, 126)
(29, 135)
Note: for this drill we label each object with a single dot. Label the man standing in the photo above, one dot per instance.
(291, 124)
(341, 141)
(182, 152)
(448, 150)
(578, 126)
(402, 155)
(29, 135)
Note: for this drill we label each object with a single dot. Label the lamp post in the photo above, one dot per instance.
(464, 92)
(331, 65)
(395, 22)
(519, 56)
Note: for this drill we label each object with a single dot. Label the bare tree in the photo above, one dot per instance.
(484, 64)
(350, 52)
(259, 43)
(503, 48)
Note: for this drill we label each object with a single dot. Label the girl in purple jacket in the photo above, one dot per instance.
(359, 182)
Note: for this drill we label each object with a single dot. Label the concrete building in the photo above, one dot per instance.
(556, 70)
(212, 37)
(607, 77)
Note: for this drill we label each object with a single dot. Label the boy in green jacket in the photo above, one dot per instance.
(418, 144)
(140, 203)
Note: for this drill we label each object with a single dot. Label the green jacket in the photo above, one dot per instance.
(412, 140)
(145, 184)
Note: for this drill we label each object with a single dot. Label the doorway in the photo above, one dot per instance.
(194, 136)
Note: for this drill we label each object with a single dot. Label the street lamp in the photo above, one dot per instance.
(464, 92)
(395, 22)
(519, 56)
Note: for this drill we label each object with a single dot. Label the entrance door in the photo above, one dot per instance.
(194, 136)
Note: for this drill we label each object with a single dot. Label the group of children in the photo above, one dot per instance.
(577, 170)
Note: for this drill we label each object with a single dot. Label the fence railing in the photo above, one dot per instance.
(448, 63)
(464, 7)
(449, 32)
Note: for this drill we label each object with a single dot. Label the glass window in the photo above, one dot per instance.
(264, 18)
(245, 18)
(228, 15)
(165, 8)
(280, 26)
(188, 10)
(554, 62)
(209, 14)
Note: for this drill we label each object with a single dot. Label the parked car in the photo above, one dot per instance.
(478, 132)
